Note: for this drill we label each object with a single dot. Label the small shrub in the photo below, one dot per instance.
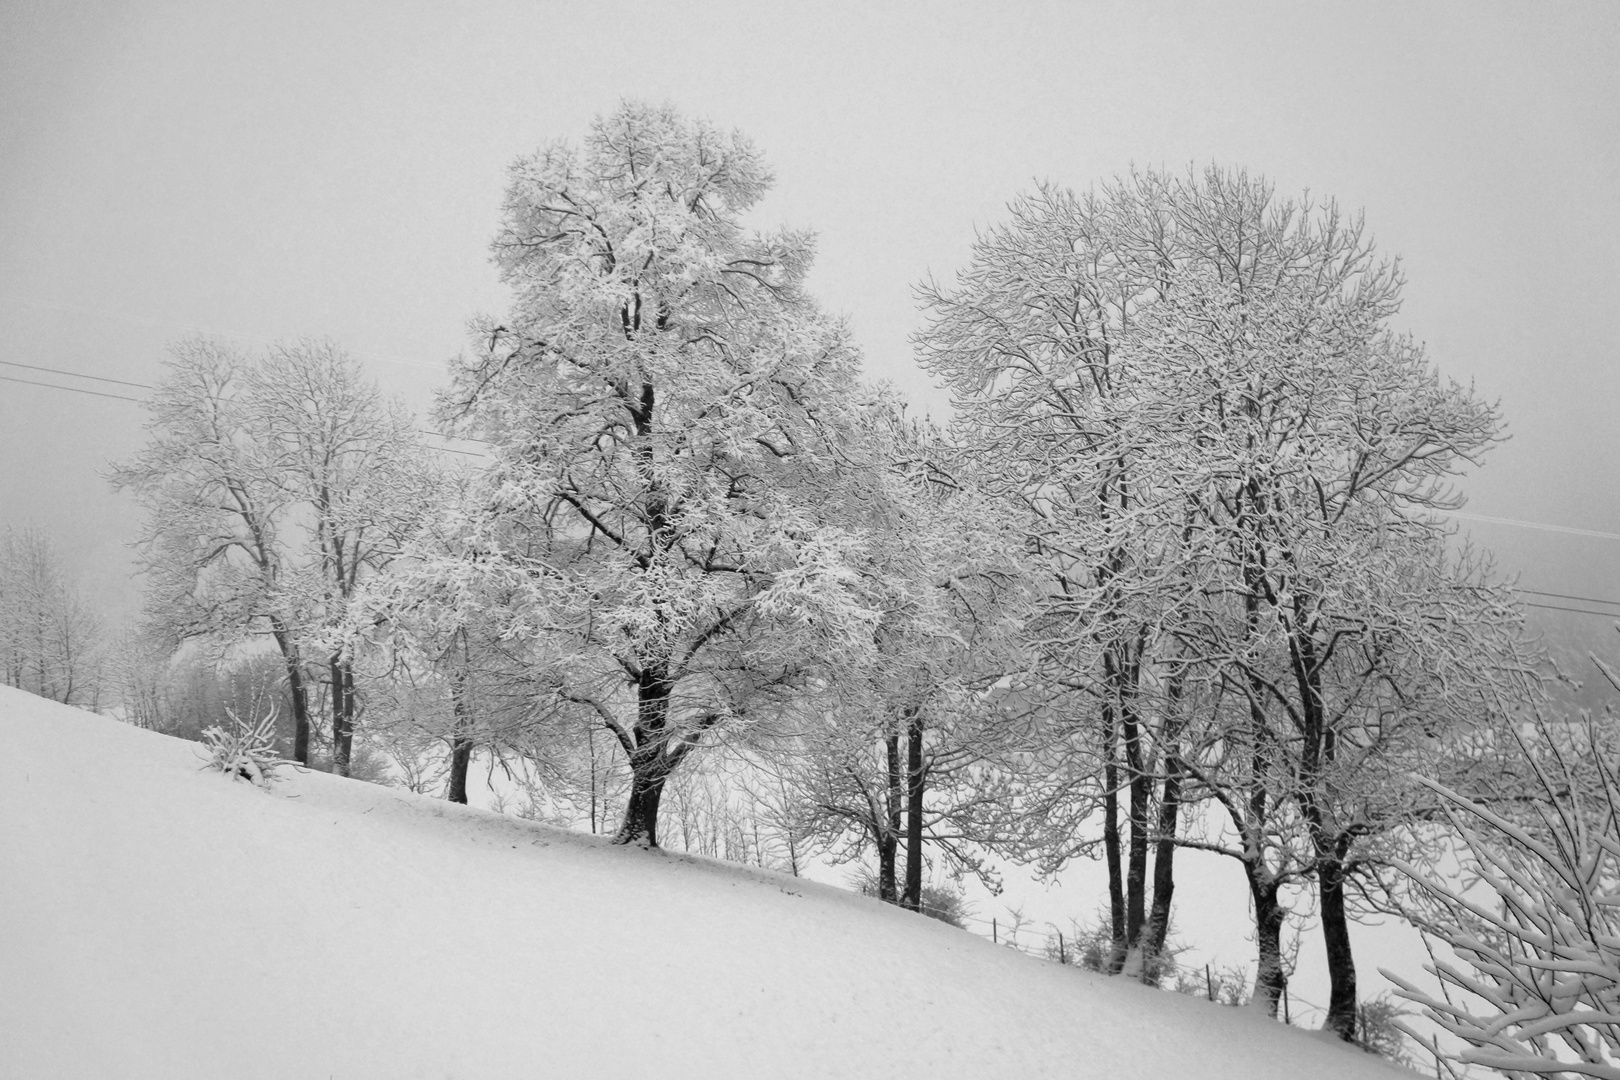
(246, 750)
(1380, 1031)
(1226, 985)
(941, 902)
(1091, 946)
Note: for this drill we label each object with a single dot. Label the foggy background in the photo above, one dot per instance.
(336, 171)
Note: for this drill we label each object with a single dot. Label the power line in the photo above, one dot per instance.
(1566, 596)
(1544, 526)
(1576, 610)
(78, 375)
(74, 389)
(1535, 525)
(458, 438)
(191, 329)
(148, 386)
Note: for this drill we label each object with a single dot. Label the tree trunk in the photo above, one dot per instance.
(1141, 795)
(460, 758)
(889, 829)
(1270, 980)
(915, 781)
(887, 845)
(1111, 852)
(342, 714)
(1341, 1017)
(649, 763)
(297, 690)
(1318, 752)
(1164, 877)
(461, 746)
(640, 825)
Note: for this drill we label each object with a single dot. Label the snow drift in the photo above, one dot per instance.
(158, 920)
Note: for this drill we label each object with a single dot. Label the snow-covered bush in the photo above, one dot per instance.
(246, 750)
(1229, 985)
(1380, 1030)
(1534, 922)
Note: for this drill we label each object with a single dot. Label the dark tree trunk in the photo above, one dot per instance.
(650, 762)
(887, 845)
(460, 758)
(1141, 796)
(640, 826)
(1317, 759)
(461, 746)
(342, 714)
(461, 743)
(1341, 1017)
(1270, 979)
(889, 830)
(297, 690)
(915, 780)
(1111, 852)
(1164, 876)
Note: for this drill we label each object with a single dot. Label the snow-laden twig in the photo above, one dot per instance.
(1536, 931)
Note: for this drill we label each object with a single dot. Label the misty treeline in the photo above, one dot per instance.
(1175, 576)
(50, 634)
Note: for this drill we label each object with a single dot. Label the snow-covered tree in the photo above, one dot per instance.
(436, 635)
(49, 636)
(272, 487)
(907, 749)
(665, 407)
(1229, 461)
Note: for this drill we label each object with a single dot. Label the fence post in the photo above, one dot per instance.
(1286, 1018)
(995, 938)
(1063, 953)
(1209, 983)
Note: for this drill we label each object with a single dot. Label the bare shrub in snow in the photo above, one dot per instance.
(1226, 985)
(246, 750)
(1382, 1031)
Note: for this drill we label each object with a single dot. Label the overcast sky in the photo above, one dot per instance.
(335, 170)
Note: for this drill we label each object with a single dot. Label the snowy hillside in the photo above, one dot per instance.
(157, 920)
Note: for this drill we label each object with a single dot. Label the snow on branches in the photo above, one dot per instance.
(669, 414)
(1534, 919)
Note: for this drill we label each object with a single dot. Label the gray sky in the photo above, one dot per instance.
(335, 170)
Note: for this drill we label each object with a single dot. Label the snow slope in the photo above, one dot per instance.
(158, 920)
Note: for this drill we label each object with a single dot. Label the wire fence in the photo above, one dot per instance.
(1084, 948)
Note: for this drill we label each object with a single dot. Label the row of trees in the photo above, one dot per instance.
(1227, 466)
(1173, 578)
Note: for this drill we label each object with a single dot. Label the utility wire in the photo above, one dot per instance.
(1599, 534)
(1576, 610)
(74, 390)
(77, 375)
(190, 329)
(1566, 596)
(149, 386)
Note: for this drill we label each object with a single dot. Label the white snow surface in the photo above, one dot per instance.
(160, 920)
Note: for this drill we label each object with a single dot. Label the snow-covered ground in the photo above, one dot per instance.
(159, 920)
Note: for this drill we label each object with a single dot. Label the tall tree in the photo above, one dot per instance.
(665, 408)
(1037, 342)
